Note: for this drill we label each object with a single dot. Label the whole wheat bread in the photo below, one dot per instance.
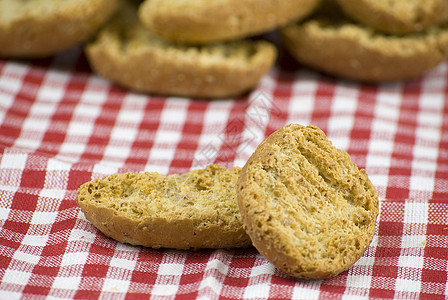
(305, 205)
(399, 16)
(194, 210)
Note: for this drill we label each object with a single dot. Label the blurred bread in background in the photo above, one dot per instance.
(399, 16)
(203, 21)
(331, 42)
(223, 48)
(129, 54)
(38, 28)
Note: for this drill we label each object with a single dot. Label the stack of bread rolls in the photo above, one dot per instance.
(213, 49)
(194, 48)
(202, 49)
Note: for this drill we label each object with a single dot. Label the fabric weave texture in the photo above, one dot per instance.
(61, 125)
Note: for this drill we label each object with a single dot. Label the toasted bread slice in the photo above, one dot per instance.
(199, 21)
(335, 45)
(132, 56)
(306, 206)
(38, 28)
(194, 210)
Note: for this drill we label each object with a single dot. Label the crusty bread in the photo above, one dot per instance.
(335, 45)
(194, 210)
(130, 55)
(398, 16)
(305, 205)
(203, 21)
(37, 28)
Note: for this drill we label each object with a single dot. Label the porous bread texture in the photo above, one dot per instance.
(193, 210)
(202, 21)
(39, 28)
(132, 56)
(305, 205)
(337, 46)
(399, 16)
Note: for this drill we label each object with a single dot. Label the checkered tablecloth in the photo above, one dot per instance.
(61, 125)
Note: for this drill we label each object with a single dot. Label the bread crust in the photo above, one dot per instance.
(399, 16)
(189, 211)
(131, 56)
(39, 28)
(202, 21)
(354, 51)
(305, 205)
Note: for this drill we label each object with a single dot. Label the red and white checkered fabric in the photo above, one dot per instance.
(61, 125)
